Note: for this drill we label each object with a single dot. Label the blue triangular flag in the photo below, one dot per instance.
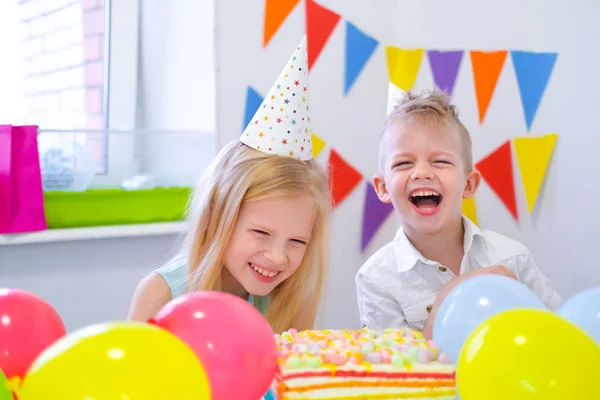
(253, 101)
(533, 71)
(359, 48)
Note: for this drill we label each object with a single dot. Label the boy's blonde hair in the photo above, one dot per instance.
(429, 106)
(241, 174)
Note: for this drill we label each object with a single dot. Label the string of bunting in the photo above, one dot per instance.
(532, 70)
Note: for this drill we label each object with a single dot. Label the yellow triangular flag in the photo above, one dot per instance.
(403, 66)
(533, 155)
(317, 145)
(469, 209)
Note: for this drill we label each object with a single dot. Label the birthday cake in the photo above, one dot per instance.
(362, 364)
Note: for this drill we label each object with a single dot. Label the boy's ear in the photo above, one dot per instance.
(381, 189)
(473, 181)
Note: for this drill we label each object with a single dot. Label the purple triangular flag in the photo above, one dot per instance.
(444, 66)
(374, 214)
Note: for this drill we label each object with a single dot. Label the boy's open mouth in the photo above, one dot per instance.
(425, 199)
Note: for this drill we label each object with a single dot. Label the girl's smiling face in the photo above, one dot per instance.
(268, 243)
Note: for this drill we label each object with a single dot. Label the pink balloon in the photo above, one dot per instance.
(234, 342)
(28, 325)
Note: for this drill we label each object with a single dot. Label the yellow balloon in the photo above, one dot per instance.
(528, 354)
(117, 361)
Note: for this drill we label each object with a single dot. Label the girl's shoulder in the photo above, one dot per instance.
(175, 274)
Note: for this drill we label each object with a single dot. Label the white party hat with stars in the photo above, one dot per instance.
(395, 97)
(281, 125)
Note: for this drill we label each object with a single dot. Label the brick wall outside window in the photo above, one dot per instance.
(63, 62)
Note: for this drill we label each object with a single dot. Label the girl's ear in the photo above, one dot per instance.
(473, 181)
(381, 189)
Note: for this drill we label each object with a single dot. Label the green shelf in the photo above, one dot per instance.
(104, 207)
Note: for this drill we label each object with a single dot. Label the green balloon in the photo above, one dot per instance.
(5, 393)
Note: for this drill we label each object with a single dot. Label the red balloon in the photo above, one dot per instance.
(234, 342)
(28, 325)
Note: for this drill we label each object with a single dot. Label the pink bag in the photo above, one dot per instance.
(21, 193)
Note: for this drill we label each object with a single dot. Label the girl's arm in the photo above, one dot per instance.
(151, 294)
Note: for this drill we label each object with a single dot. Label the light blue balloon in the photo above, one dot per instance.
(270, 395)
(472, 302)
(583, 311)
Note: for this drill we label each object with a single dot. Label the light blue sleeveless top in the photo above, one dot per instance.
(175, 274)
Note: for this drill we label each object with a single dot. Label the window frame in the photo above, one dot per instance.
(121, 55)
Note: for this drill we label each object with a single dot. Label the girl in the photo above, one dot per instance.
(259, 224)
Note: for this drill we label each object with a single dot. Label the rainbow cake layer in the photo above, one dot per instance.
(362, 364)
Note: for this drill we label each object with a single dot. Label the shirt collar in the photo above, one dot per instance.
(407, 255)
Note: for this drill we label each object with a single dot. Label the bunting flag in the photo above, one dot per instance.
(444, 66)
(320, 22)
(487, 66)
(359, 48)
(317, 145)
(403, 66)
(253, 101)
(343, 178)
(276, 11)
(533, 156)
(469, 209)
(374, 215)
(533, 71)
(497, 170)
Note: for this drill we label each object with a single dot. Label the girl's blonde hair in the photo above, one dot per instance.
(241, 174)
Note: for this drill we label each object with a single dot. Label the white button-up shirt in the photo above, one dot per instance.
(397, 286)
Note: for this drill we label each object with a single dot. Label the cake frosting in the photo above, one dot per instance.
(362, 364)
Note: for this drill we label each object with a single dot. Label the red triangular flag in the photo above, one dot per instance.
(320, 22)
(343, 178)
(497, 170)
(276, 11)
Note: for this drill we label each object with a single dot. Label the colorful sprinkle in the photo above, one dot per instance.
(320, 348)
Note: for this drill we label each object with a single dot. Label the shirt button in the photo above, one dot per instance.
(429, 307)
(443, 269)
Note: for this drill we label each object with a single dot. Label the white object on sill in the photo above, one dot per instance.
(99, 232)
(140, 182)
(65, 165)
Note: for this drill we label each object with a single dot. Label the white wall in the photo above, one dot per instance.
(176, 88)
(86, 281)
(177, 68)
(561, 234)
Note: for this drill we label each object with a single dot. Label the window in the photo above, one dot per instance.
(77, 70)
(59, 73)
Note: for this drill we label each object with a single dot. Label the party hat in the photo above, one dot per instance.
(395, 97)
(281, 125)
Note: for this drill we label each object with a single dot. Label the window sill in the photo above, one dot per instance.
(99, 232)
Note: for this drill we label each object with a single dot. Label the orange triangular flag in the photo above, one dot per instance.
(276, 11)
(469, 209)
(320, 22)
(487, 66)
(343, 178)
(533, 155)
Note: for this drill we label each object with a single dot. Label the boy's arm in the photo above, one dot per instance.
(531, 275)
(377, 309)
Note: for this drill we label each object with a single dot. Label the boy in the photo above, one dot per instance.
(426, 169)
